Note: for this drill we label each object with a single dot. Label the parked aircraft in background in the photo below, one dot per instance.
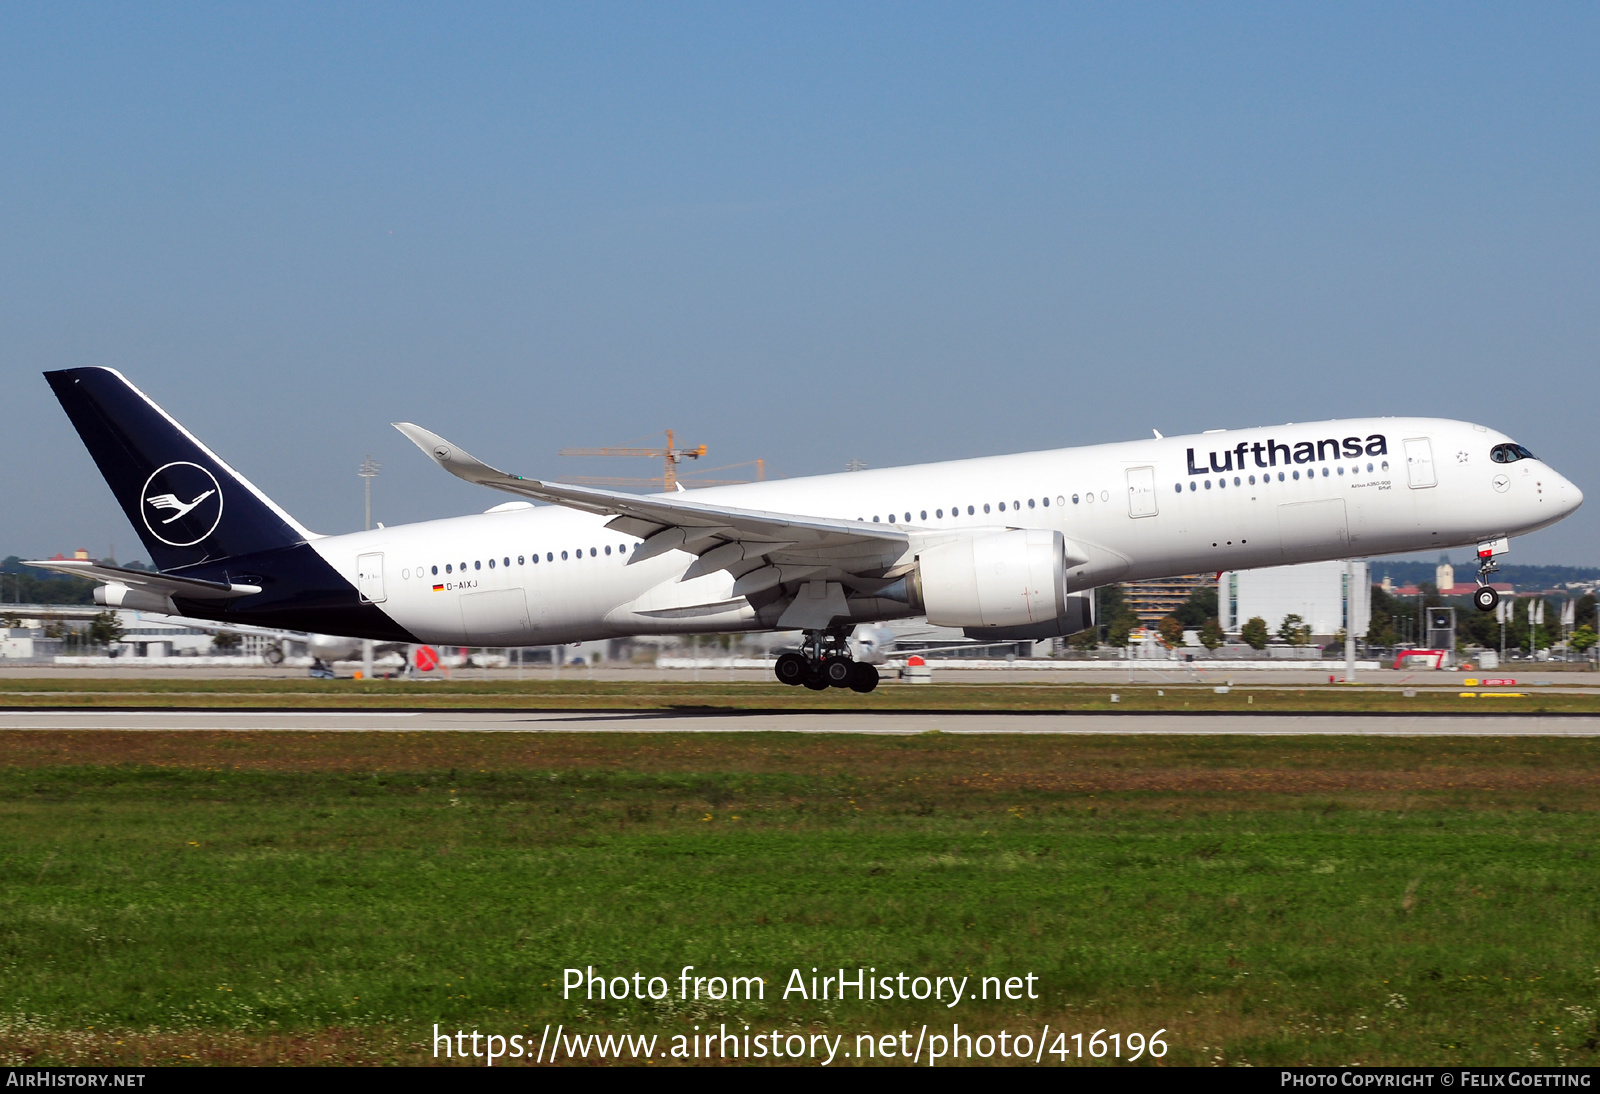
(1006, 548)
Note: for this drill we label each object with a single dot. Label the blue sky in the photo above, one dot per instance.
(804, 233)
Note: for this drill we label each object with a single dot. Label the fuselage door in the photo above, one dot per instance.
(369, 577)
(1419, 463)
(1141, 491)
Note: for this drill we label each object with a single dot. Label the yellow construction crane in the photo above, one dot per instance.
(670, 456)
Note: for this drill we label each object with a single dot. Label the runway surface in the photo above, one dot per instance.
(1372, 725)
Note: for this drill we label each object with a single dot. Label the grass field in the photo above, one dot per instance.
(764, 695)
(240, 897)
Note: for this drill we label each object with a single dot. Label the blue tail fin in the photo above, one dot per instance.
(187, 505)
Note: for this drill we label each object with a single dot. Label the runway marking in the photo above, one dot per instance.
(906, 724)
(252, 713)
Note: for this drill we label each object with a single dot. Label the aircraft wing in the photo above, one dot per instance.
(191, 588)
(761, 549)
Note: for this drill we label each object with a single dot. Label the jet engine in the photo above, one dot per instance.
(1003, 585)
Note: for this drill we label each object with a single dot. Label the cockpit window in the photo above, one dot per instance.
(1510, 453)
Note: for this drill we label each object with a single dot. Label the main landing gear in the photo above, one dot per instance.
(1486, 598)
(824, 662)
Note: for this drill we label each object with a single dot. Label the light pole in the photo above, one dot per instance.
(1349, 621)
(368, 471)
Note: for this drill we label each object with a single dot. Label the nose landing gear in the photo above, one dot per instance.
(824, 662)
(1486, 598)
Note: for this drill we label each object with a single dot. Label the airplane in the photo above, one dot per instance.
(1006, 548)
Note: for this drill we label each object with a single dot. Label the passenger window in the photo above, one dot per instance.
(1341, 471)
(908, 518)
(1252, 480)
(507, 560)
(1016, 505)
(1061, 499)
(550, 556)
(478, 564)
(1030, 503)
(1369, 469)
(1324, 472)
(405, 575)
(1208, 484)
(1002, 507)
(924, 514)
(563, 556)
(1192, 487)
(1386, 465)
(622, 548)
(939, 513)
(436, 570)
(491, 564)
(520, 562)
(448, 568)
(1177, 487)
(1236, 480)
(535, 560)
(608, 548)
(874, 520)
(593, 553)
(1297, 474)
(985, 507)
(969, 511)
(1280, 476)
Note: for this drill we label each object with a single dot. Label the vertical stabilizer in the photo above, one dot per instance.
(186, 504)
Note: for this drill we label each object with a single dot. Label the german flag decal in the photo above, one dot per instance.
(438, 588)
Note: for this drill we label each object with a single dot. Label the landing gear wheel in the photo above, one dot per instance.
(272, 655)
(790, 669)
(837, 672)
(816, 683)
(1486, 598)
(863, 678)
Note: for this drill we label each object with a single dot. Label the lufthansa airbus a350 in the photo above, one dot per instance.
(1004, 547)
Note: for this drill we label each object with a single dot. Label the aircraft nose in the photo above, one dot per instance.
(1571, 496)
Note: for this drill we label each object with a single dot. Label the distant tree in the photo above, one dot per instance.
(1294, 630)
(1119, 631)
(10, 619)
(1170, 628)
(1211, 635)
(1380, 628)
(1583, 638)
(224, 641)
(1586, 612)
(1254, 633)
(1201, 605)
(1116, 618)
(1086, 639)
(104, 629)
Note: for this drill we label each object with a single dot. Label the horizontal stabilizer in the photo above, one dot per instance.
(190, 588)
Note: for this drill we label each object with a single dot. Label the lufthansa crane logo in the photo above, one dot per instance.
(182, 504)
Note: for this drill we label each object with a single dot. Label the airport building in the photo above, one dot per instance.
(1154, 600)
(1317, 592)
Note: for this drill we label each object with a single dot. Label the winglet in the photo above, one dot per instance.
(457, 461)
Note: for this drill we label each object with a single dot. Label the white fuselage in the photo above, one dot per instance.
(1226, 500)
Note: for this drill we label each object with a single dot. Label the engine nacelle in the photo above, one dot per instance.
(1001, 580)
